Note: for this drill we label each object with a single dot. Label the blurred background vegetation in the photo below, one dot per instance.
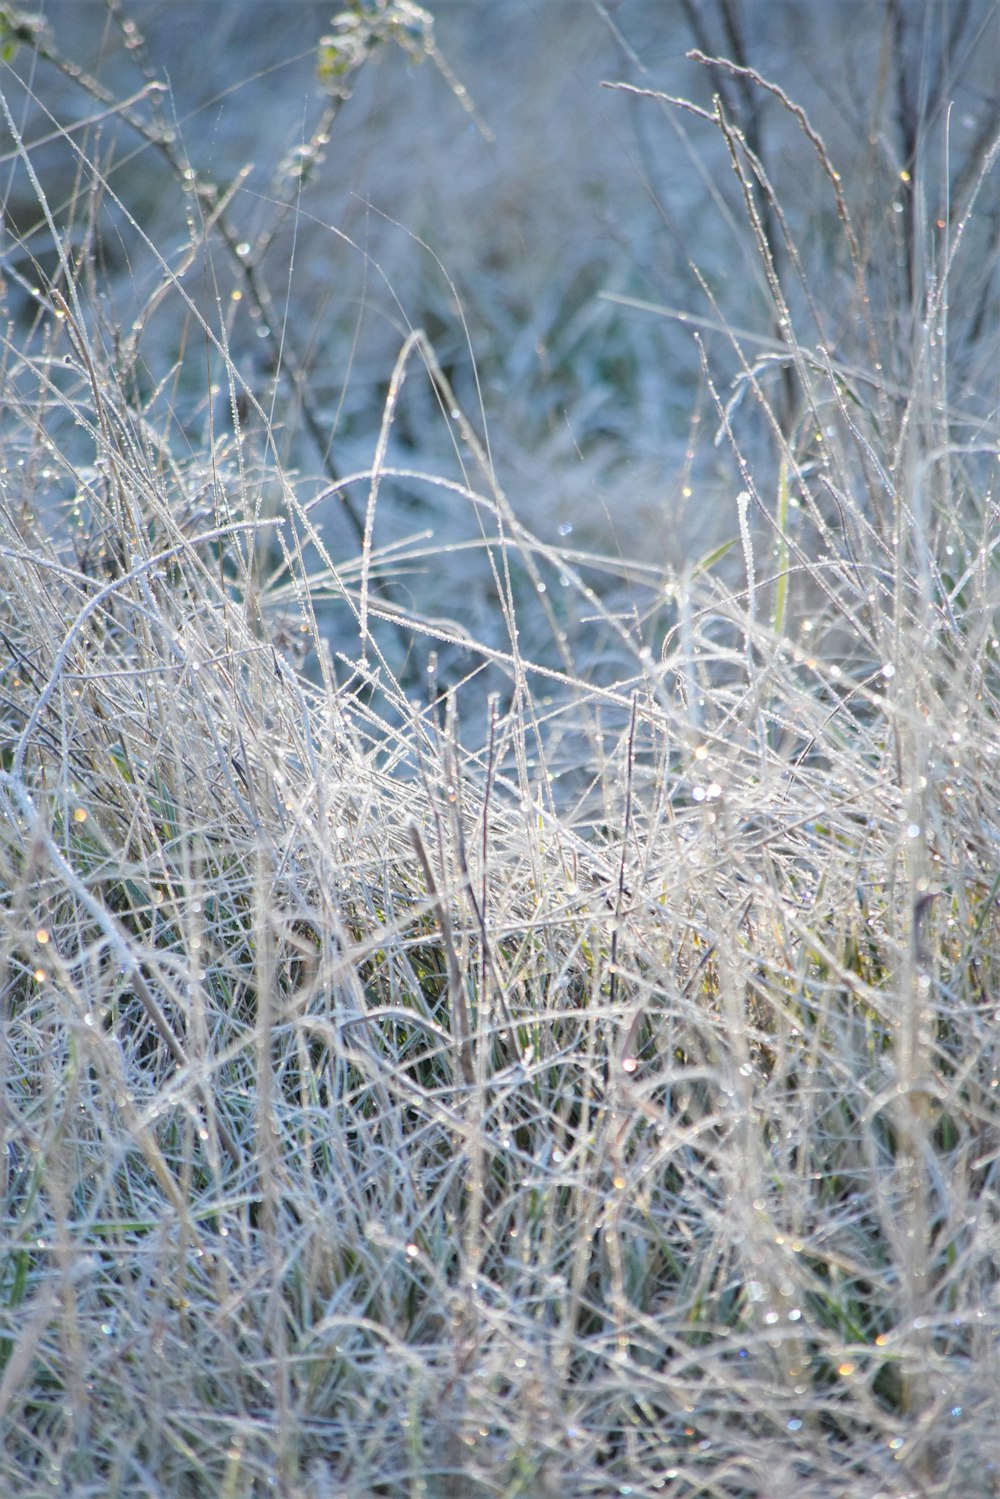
(481, 184)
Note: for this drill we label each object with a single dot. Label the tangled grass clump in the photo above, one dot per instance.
(385, 1115)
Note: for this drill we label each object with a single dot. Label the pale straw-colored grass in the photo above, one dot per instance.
(581, 1085)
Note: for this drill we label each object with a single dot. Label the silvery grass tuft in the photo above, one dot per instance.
(599, 1096)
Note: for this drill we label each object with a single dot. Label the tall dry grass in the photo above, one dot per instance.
(595, 1097)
